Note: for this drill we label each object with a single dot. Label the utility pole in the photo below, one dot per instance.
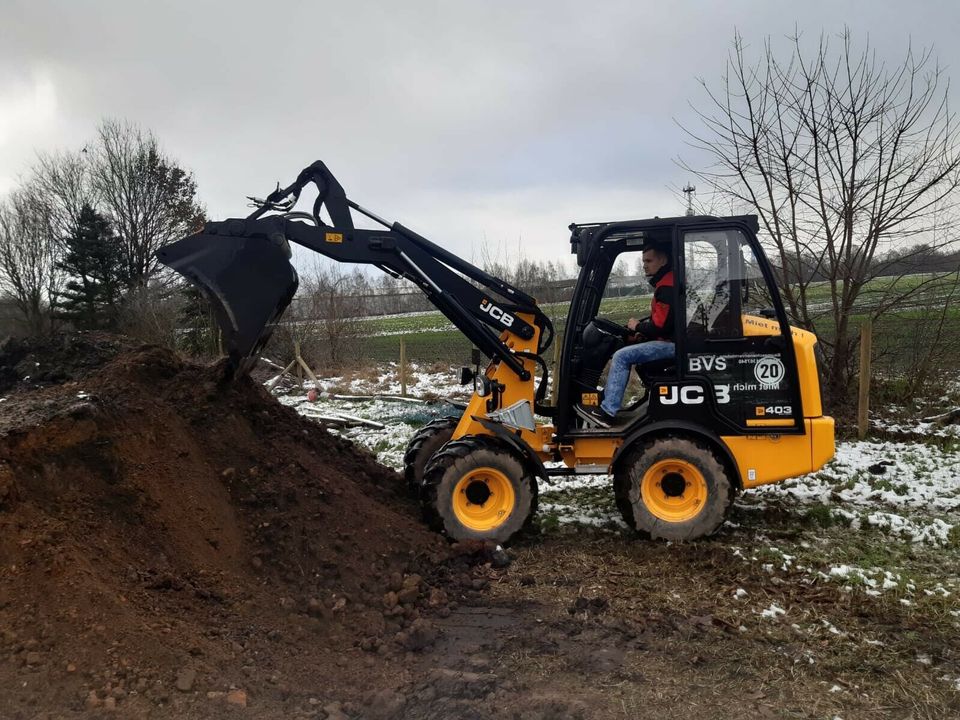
(689, 190)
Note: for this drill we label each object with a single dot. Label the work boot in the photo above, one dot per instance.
(596, 417)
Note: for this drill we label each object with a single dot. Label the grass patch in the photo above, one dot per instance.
(953, 537)
(819, 515)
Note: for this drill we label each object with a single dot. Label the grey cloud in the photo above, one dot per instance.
(420, 108)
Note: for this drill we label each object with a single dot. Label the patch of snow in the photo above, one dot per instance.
(912, 492)
(773, 612)
(831, 628)
(954, 681)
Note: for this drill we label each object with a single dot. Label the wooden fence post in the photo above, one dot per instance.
(296, 356)
(302, 364)
(403, 366)
(863, 400)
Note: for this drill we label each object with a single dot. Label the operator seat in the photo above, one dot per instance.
(648, 372)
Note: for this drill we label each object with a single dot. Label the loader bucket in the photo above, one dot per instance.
(246, 275)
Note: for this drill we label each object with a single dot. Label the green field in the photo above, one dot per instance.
(899, 335)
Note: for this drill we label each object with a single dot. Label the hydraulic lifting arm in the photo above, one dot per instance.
(243, 266)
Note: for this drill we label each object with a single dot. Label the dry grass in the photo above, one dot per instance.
(689, 647)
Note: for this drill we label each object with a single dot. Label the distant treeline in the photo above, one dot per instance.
(919, 259)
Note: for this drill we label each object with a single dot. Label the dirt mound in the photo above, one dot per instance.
(167, 537)
(39, 362)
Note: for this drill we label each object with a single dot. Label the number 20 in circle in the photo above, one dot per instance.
(769, 371)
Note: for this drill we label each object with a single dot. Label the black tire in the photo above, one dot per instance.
(425, 442)
(478, 461)
(673, 489)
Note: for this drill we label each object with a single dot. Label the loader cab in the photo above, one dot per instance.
(734, 371)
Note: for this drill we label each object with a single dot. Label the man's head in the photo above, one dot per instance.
(654, 258)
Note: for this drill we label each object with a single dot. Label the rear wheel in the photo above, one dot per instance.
(476, 488)
(674, 489)
(425, 442)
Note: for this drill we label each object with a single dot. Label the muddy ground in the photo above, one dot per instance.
(176, 546)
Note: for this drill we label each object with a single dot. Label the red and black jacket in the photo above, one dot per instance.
(660, 324)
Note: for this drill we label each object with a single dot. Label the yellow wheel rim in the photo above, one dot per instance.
(483, 499)
(674, 490)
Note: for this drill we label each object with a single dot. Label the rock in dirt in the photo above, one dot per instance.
(419, 636)
(384, 705)
(237, 697)
(437, 598)
(93, 702)
(408, 595)
(335, 711)
(34, 658)
(185, 679)
(451, 683)
(499, 558)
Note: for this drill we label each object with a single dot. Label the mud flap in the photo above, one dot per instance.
(243, 268)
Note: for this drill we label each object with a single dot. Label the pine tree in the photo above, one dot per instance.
(93, 262)
(201, 334)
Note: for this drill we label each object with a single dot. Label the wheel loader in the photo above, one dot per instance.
(737, 407)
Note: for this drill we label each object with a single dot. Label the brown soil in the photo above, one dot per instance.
(177, 546)
(160, 525)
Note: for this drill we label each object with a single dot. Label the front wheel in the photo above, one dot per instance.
(673, 489)
(425, 442)
(476, 488)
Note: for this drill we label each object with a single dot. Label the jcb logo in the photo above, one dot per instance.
(691, 394)
(505, 318)
(688, 395)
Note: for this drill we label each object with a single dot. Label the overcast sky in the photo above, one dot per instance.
(472, 122)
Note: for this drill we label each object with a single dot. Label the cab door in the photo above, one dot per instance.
(734, 340)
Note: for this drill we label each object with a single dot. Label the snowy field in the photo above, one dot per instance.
(878, 519)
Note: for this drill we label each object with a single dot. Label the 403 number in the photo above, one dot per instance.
(775, 410)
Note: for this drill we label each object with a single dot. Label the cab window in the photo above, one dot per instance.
(723, 284)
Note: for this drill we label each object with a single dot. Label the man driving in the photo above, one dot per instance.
(649, 340)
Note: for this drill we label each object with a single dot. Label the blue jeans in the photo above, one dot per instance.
(620, 364)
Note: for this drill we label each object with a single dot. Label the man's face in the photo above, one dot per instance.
(653, 260)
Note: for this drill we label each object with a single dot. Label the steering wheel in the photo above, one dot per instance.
(608, 327)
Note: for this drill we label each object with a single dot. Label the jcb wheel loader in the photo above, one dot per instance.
(737, 407)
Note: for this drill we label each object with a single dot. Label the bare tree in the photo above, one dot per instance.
(332, 303)
(149, 198)
(63, 180)
(843, 159)
(28, 255)
(323, 318)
